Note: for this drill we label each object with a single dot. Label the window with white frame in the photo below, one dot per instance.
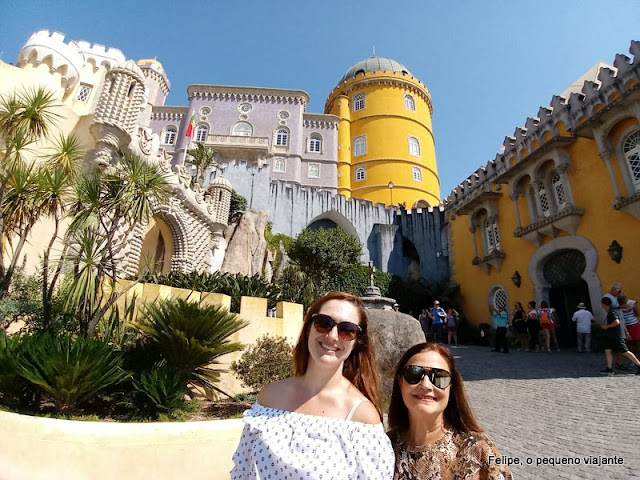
(631, 150)
(360, 174)
(414, 146)
(84, 92)
(313, 171)
(359, 146)
(358, 102)
(417, 174)
(544, 200)
(491, 235)
(169, 137)
(279, 165)
(202, 131)
(409, 102)
(558, 190)
(242, 129)
(314, 143)
(282, 137)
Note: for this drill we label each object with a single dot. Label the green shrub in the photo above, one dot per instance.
(70, 370)
(267, 360)
(161, 390)
(12, 384)
(190, 337)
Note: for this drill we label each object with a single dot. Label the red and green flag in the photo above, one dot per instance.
(191, 126)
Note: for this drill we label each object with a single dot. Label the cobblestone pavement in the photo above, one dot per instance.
(541, 407)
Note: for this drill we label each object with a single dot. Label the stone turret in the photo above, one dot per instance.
(119, 106)
(157, 84)
(220, 191)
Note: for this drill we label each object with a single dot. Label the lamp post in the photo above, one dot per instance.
(390, 185)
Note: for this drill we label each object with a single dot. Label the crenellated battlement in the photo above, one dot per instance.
(561, 119)
(66, 57)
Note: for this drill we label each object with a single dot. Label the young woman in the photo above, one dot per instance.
(452, 326)
(432, 428)
(324, 421)
(519, 322)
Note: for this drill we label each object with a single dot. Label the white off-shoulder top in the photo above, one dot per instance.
(277, 444)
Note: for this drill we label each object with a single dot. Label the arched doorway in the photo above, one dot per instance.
(563, 271)
(157, 248)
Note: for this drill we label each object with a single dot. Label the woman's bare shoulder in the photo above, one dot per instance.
(272, 394)
(366, 413)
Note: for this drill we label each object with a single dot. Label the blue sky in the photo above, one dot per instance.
(488, 65)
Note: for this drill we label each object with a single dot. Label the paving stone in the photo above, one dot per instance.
(539, 406)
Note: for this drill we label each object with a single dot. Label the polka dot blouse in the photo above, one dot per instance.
(277, 444)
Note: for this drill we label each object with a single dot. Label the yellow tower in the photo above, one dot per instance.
(386, 149)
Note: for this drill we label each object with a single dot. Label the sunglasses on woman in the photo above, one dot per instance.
(324, 324)
(439, 378)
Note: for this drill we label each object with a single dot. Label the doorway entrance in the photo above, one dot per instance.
(563, 272)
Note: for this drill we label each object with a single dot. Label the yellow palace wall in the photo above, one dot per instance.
(600, 224)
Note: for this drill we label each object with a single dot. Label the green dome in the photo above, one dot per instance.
(374, 64)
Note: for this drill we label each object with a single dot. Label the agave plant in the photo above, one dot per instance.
(191, 337)
(70, 370)
(11, 383)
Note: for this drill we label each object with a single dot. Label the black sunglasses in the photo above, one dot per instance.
(439, 378)
(325, 323)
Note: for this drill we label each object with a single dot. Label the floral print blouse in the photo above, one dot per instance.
(456, 456)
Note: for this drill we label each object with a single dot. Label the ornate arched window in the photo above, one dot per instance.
(360, 173)
(414, 146)
(169, 137)
(631, 150)
(242, 129)
(358, 102)
(279, 165)
(498, 298)
(282, 137)
(558, 191)
(359, 146)
(313, 170)
(314, 143)
(409, 102)
(417, 173)
(544, 200)
(202, 131)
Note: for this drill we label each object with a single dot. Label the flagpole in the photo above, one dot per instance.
(189, 134)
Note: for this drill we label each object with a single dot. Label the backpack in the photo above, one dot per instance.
(545, 317)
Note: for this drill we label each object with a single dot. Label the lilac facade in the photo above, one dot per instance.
(259, 126)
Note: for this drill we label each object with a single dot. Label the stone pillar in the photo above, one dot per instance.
(472, 229)
(606, 152)
(515, 197)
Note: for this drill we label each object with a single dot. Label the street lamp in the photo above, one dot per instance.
(390, 185)
(516, 279)
(615, 251)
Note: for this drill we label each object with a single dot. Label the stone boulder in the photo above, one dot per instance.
(393, 334)
(246, 246)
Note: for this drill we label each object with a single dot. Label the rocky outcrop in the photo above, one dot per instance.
(246, 246)
(393, 334)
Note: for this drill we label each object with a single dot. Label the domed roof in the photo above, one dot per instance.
(220, 181)
(374, 64)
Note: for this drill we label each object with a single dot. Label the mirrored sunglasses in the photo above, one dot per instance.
(325, 323)
(439, 378)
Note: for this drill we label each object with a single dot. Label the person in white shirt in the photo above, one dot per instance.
(583, 319)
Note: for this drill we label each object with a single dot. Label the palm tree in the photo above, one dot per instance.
(108, 203)
(25, 118)
(202, 157)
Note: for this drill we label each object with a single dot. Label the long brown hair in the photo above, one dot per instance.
(360, 368)
(458, 414)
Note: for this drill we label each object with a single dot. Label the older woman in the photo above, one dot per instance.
(432, 428)
(325, 421)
